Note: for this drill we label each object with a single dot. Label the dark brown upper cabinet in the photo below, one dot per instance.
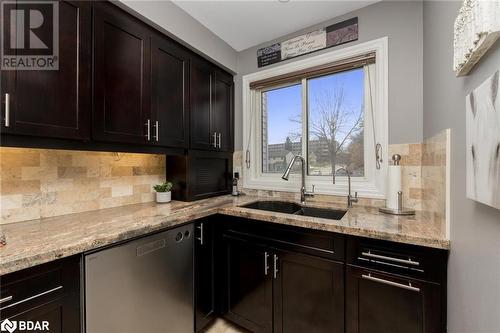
(222, 112)
(201, 105)
(54, 103)
(169, 111)
(211, 107)
(122, 53)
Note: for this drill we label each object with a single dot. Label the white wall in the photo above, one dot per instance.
(184, 28)
(474, 263)
(402, 23)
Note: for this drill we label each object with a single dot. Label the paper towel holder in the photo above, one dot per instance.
(400, 210)
(396, 158)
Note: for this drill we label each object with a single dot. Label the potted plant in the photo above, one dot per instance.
(163, 192)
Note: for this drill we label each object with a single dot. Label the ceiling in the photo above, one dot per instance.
(243, 24)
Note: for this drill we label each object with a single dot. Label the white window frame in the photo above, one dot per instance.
(370, 186)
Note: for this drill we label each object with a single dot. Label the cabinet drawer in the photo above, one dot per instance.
(402, 259)
(38, 285)
(313, 242)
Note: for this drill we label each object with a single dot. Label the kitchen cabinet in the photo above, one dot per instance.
(49, 292)
(54, 103)
(326, 282)
(377, 302)
(393, 287)
(122, 52)
(222, 113)
(205, 273)
(202, 136)
(120, 82)
(200, 174)
(249, 285)
(211, 107)
(308, 294)
(170, 93)
(269, 289)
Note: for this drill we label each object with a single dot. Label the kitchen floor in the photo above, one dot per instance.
(223, 326)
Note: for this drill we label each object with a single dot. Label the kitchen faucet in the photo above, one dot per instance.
(303, 192)
(350, 198)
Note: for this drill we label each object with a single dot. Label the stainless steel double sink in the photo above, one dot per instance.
(296, 209)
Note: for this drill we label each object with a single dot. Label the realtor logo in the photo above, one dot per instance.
(30, 35)
(8, 326)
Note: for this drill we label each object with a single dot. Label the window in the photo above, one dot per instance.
(333, 115)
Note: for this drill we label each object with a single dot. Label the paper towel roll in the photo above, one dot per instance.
(393, 186)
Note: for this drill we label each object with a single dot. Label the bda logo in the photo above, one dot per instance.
(8, 326)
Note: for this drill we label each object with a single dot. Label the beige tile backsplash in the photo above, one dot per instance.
(39, 183)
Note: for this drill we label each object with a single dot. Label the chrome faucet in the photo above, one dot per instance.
(350, 198)
(303, 192)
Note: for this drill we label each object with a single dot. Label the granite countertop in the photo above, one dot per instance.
(35, 242)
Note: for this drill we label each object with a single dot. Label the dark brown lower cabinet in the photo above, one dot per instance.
(249, 285)
(270, 290)
(308, 294)
(48, 292)
(379, 303)
(205, 273)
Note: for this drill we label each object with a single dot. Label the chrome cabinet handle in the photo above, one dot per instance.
(390, 283)
(7, 110)
(275, 272)
(266, 265)
(157, 131)
(219, 136)
(148, 129)
(215, 140)
(5, 299)
(201, 234)
(401, 261)
(30, 298)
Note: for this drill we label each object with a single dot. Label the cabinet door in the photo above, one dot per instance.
(249, 285)
(308, 294)
(204, 274)
(209, 174)
(380, 303)
(170, 65)
(202, 137)
(221, 117)
(121, 77)
(62, 314)
(54, 103)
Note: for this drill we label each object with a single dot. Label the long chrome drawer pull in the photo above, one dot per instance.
(390, 283)
(5, 299)
(266, 265)
(32, 297)
(157, 131)
(275, 272)
(7, 110)
(402, 261)
(215, 140)
(148, 129)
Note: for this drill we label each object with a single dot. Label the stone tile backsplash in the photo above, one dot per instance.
(39, 183)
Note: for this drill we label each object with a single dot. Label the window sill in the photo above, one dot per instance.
(364, 188)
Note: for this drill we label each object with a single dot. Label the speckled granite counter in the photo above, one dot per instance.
(38, 241)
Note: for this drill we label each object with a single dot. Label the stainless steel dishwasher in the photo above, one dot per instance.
(145, 285)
